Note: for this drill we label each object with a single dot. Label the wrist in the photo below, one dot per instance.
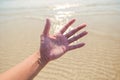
(42, 60)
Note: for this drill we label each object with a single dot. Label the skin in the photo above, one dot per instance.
(54, 46)
(51, 47)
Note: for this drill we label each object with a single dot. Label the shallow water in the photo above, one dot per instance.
(100, 15)
(21, 23)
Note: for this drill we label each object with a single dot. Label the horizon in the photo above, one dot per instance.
(37, 3)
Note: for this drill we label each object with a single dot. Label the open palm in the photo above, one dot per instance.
(54, 46)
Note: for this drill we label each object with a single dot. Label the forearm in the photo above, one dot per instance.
(26, 70)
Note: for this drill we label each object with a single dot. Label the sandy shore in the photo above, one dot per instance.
(22, 21)
(98, 60)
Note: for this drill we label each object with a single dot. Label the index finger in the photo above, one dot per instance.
(66, 26)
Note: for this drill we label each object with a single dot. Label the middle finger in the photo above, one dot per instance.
(69, 34)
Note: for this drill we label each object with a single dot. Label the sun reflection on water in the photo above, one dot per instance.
(62, 16)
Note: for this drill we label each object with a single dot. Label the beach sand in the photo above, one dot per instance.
(99, 59)
(21, 26)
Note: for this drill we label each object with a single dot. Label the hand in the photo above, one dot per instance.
(54, 46)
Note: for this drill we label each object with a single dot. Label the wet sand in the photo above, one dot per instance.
(21, 26)
(98, 60)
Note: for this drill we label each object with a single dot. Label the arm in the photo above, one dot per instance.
(51, 47)
(26, 70)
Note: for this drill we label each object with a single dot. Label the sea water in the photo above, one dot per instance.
(61, 11)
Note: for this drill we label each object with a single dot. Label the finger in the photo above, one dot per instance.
(66, 26)
(47, 27)
(77, 37)
(72, 47)
(75, 30)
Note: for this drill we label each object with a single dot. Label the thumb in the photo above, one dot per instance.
(47, 27)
